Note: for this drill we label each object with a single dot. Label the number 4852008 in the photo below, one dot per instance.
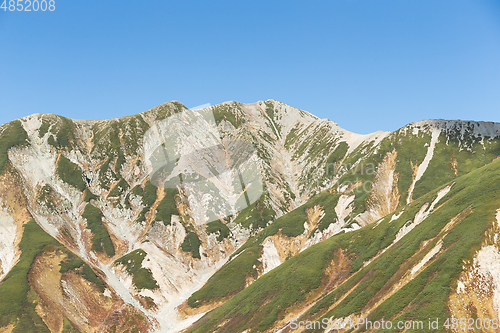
(28, 5)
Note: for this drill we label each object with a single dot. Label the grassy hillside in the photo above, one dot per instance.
(101, 241)
(411, 149)
(18, 298)
(11, 135)
(70, 173)
(142, 277)
(473, 200)
(232, 277)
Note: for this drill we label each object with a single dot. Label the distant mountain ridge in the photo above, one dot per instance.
(88, 244)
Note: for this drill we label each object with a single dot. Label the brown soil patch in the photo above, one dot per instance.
(184, 310)
(45, 278)
(384, 196)
(453, 164)
(68, 295)
(473, 296)
(126, 319)
(7, 329)
(290, 246)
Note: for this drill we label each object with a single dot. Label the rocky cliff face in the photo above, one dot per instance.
(89, 244)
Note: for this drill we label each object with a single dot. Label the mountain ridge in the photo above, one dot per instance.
(166, 104)
(138, 246)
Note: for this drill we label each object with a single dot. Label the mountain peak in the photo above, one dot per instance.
(459, 128)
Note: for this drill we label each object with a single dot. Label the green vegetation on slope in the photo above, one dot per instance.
(220, 228)
(192, 244)
(167, 207)
(101, 241)
(107, 137)
(426, 295)
(449, 156)
(273, 125)
(142, 277)
(106, 175)
(231, 278)
(44, 128)
(89, 196)
(18, 299)
(228, 281)
(265, 301)
(13, 134)
(327, 201)
(68, 327)
(361, 173)
(256, 215)
(45, 197)
(410, 149)
(119, 162)
(118, 137)
(317, 144)
(74, 263)
(228, 113)
(64, 137)
(119, 188)
(70, 173)
(261, 303)
(335, 157)
(148, 195)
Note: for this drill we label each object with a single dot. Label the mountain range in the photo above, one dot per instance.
(398, 226)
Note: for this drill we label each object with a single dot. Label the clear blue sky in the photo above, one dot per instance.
(366, 64)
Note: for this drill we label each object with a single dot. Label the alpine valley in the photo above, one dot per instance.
(400, 226)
